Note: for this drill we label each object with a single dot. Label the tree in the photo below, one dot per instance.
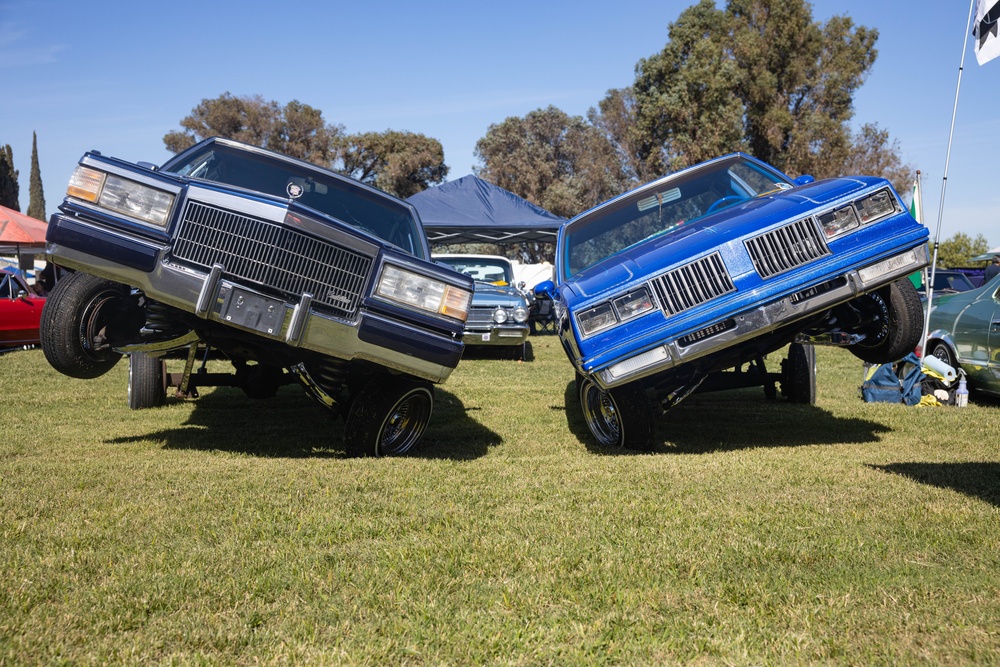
(559, 162)
(759, 76)
(36, 203)
(295, 129)
(956, 251)
(9, 189)
(873, 152)
(400, 163)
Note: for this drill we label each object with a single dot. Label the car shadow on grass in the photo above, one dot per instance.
(734, 420)
(292, 425)
(977, 479)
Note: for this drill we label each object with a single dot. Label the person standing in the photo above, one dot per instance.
(992, 270)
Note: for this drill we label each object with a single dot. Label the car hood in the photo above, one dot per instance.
(715, 230)
(488, 294)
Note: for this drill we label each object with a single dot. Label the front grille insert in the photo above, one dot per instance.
(273, 257)
(787, 247)
(693, 284)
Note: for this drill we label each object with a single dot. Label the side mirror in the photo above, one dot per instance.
(21, 294)
(545, 287)
(805, 179)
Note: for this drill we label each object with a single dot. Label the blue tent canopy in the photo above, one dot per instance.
(470, 210)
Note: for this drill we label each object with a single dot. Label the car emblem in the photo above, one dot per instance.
(294, 190)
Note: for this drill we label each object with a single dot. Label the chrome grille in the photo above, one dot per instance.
(480, 317)
(689, 285)
(786, 248)
(273, 257)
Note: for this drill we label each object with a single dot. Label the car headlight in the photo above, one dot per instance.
(633, 304)
(837, 222)
(417, 291)
(499, 315)
(875, 207)
(596, 319)
(139, 201)
(520, 314)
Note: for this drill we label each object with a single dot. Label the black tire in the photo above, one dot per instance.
(388, 416)
(620, 417)
(78, 310)
(798, 377)
(943, 352)
(898, 318)
(147, 382)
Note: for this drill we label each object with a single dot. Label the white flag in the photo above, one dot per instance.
(916, 203)
(986, 30)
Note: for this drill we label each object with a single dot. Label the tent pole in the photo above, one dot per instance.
(944, 184)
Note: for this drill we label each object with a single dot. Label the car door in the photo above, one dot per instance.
(19, 315)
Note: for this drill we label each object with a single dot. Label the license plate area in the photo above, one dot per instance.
(253, 311)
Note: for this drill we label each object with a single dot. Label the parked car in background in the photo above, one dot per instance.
(704, 270)
(291, 271)
(20, 311)
(499, 312)
(964, 333)
(947, 281)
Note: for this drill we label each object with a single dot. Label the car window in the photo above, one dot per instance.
(482, 269)
(5, 287)
(356, 206)
(664, 208)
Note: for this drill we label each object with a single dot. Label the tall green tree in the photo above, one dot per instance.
(36, 203)
(295, 129)
(400, 163)
(955, 252)
(557, 161)
(757, 75)
(9, 189)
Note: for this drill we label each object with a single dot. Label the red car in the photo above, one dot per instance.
(20, 311)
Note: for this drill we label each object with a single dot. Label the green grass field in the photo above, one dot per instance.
(229, 531)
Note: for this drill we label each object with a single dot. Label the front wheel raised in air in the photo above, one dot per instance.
(147, 386)
(75, 321)
(619, 417)
(388, 416)
(895, 315)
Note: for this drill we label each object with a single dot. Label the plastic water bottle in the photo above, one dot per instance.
(962, 393)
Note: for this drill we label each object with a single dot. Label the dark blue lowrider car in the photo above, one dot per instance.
(289, 270)
(720, 264)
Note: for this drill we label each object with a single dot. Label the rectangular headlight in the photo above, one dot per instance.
(417, 291)
(837, 222)
(596, 319)
(136, 200)
(877, 206)
(139, 201)
(633, 304)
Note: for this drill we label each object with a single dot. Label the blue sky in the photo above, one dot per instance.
(116, 76)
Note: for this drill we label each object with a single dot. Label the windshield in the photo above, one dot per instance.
(354, 205)
(665, 207)
(483, 269)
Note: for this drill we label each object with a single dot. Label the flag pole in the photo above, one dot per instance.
(944, 185)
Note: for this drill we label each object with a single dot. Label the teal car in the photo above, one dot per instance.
(965, 333)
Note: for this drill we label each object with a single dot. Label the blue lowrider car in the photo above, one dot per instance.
(289, 270)
(718, 265)
(499, 312)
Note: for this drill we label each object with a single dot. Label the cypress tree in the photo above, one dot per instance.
(36, 203)
(9, 190)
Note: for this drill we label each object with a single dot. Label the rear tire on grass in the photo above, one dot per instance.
(147, 386)
(798, 377)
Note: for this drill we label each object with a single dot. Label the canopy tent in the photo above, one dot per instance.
(986, 256)
(20, 233)
(470, 210)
